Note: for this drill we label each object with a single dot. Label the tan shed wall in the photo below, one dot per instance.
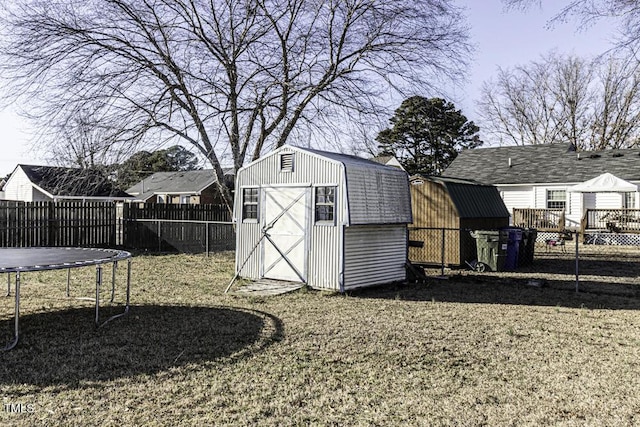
(432, 207)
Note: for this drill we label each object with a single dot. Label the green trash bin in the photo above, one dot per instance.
(492, 249)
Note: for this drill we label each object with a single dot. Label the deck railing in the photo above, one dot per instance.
(541, 219)
(616, 220)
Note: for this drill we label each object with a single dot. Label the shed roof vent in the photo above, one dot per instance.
(286, 162)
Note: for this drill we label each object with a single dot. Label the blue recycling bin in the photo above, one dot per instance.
(512, 236)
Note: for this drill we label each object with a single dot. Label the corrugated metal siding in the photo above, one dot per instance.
(325, 257)
(245, 242)
(374, 255)
(378, 196)
(324, 253)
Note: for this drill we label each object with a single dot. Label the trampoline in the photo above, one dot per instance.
(21, 260)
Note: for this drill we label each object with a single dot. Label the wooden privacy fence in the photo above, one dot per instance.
(57, 224)
(150, 227)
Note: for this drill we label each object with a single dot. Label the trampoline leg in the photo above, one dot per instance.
(68, 282)
(113, 281)
(8, 284)
(126, 308)
(16, 323)
(98, 283)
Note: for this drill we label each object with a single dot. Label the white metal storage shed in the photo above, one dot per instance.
(332, 221)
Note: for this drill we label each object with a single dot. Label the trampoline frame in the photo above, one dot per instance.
(113, 257)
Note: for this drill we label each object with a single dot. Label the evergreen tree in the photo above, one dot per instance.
(427, 134)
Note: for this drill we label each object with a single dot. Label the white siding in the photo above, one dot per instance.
(609, 200)
(517, 197)
(374, 255)
(575, 211)
(19, 187)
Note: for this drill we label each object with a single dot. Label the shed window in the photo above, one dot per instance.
(556, 199)
(286, 162)
(325, 204)
(250, 203)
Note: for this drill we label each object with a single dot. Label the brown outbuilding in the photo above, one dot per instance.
(449, 209)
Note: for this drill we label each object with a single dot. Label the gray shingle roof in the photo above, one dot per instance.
(176, 182)
(72, 182)
(549, 163)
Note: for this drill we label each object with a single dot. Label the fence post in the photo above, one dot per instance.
(443, 253)
(206, 224)
(577, 259)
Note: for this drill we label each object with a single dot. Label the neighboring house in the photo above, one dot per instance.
(455, 206)
(29, 183)
(539, 183)
(181, 187)
(3, 182)
(388, 161)
(329, 220)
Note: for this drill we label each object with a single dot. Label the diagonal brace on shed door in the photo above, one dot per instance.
(284, 256)
(265, 229)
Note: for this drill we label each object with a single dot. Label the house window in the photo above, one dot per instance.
(629, 201)
(325, 202)
(556, 199)
(286, 162)
(250, 203)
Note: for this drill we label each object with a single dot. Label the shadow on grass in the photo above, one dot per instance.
(479, 289)
(62, 348)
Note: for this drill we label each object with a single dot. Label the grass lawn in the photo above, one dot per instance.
(464, 351)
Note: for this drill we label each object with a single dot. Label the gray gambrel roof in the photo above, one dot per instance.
(543, 164)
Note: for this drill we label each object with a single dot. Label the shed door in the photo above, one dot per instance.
(286, 220)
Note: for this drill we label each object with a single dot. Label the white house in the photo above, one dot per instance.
(547, 177)
(29, 183)
(332, 221)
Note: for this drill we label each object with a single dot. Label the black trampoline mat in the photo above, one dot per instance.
(35, 259)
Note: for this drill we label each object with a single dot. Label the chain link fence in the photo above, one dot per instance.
(185, 236)
(590, 261)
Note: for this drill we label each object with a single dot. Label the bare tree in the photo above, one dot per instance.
(529, 104)
(592, 104)
(587, 12)
(616, 121)
(80, 141)
(230, 77)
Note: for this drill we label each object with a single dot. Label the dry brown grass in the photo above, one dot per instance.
(472, 350)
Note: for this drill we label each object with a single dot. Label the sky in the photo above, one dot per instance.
(502, 39)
